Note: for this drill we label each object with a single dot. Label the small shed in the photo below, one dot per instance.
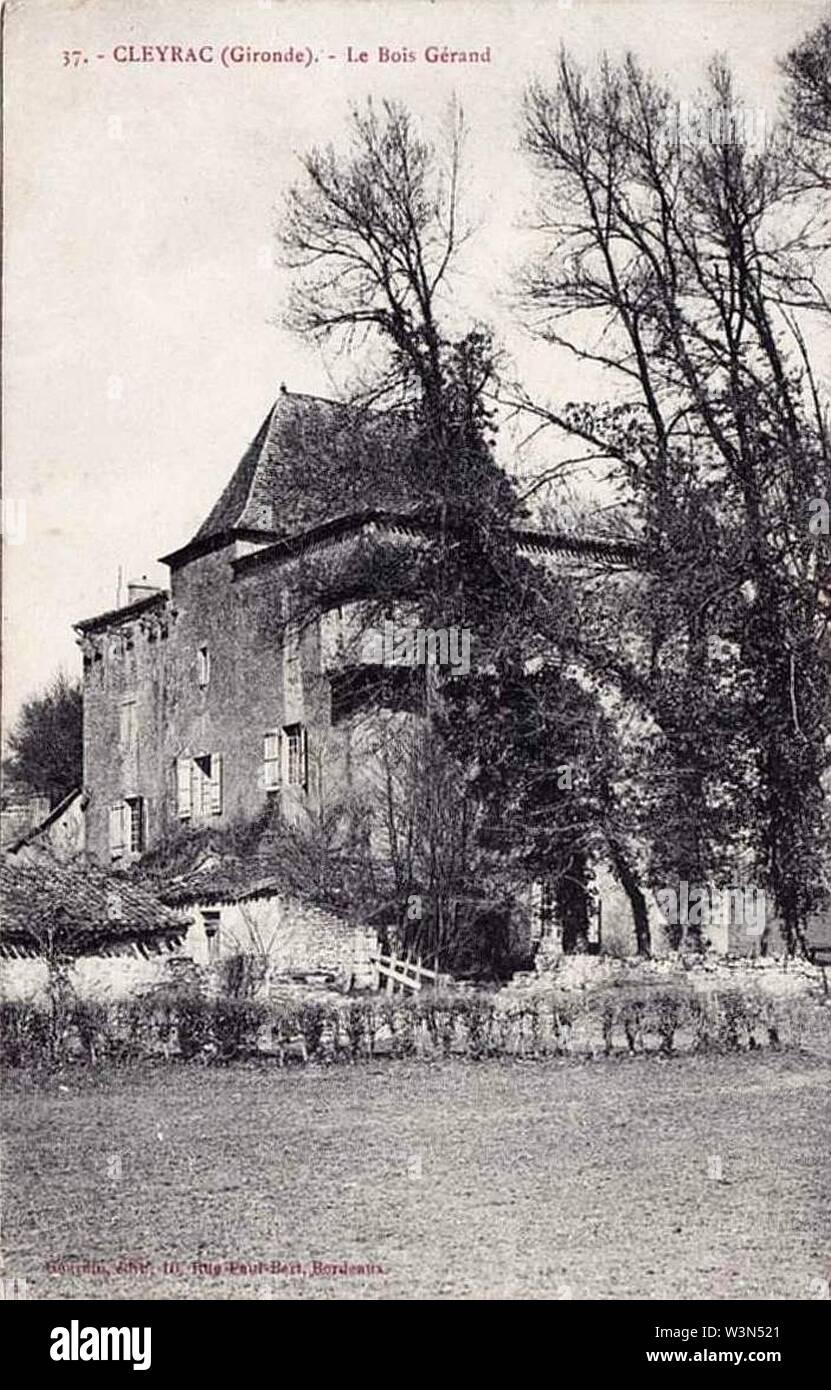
(238, 909)
(52, 908)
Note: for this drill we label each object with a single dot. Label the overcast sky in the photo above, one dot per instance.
(142, 313)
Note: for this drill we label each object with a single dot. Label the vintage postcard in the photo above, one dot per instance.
(416, 864)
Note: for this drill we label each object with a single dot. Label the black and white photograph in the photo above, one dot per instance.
(416, 763)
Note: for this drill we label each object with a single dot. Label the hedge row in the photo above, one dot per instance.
(475, 1025)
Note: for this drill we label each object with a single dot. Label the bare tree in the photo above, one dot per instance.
(680, 255)
(374, 235)
(808, 70)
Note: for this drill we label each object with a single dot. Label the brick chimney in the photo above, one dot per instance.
(139, 588)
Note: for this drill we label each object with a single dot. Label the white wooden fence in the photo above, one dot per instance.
(403, 973)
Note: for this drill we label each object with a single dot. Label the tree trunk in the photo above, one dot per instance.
(573, 904)
(628, 880)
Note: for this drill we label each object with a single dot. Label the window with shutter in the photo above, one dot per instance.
(271, 760)
(200, 785)
(184, 791)
(117, 828)
(128, 728)
(199, 781)
(134, 836)
(294, 745)
(216, 784)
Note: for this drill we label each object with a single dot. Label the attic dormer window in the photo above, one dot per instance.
(203, 662)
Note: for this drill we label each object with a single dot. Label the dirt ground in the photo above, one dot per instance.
(628, 1178)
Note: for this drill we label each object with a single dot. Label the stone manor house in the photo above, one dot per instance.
(204, 702)
(246, 685)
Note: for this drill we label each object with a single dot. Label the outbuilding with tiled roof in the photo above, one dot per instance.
(52, 909)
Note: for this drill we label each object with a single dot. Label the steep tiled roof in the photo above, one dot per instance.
(318, 466)
(237, 504)
(212, 870)
(90, 911)
(312, 459)
(232, 863)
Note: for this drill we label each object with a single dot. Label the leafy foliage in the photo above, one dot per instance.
(45, 744)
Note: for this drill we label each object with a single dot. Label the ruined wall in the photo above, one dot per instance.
(20, 816)
(64, 839)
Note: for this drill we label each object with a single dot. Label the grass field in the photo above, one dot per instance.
(691, 1178)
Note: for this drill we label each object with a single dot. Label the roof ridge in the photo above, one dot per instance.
(265, 430)
(312, 396)
(217, 521)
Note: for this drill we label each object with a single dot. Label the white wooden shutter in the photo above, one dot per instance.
(216, 783)
(184, 799)
(304, 757)
(117, 822)
(126, 730)
(271, 760)
(198, 783)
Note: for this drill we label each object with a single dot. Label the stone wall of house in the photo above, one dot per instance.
(244, 696)
(135, 657)
(293, 937)
(93, 977)
(263, 676)
(155, 660)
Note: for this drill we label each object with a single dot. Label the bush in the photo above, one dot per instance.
(91, 1019)
(309, 1022)
(232, 1027)
(726, 1018)
(179, 1019)
(24, 1033)
(440, 1012)
(402, 1017)
(359, 1026)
